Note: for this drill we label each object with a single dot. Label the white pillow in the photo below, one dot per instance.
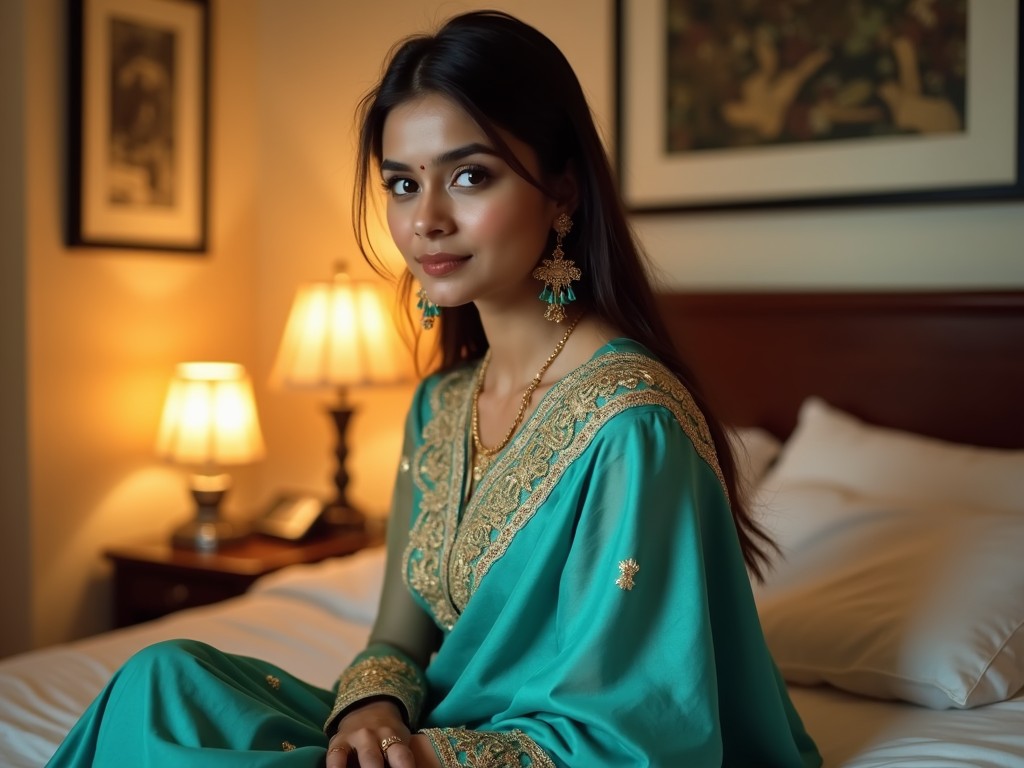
(902, 573)
(754, 450)
(832, 447)
(904, 600)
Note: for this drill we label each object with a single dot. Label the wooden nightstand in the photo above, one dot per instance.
(152, 580)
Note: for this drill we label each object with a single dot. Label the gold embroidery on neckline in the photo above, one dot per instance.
(446, 559)
(438, 467)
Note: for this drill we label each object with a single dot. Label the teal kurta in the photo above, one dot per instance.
(586, 605)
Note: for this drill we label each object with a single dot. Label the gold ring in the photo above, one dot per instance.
(337, 749)
(389, 742)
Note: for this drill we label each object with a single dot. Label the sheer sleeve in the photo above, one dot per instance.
(403, 636)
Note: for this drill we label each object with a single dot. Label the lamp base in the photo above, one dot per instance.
(339, 514)
(208, 531)
(207, 535)
(341, 517)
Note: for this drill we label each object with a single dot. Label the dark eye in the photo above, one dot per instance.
(470, 177)
(399, 186)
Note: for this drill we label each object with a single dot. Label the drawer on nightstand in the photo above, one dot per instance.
(144, 596)
(164, 595)
(154, 579)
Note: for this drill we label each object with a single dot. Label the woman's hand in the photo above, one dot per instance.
(361, 733)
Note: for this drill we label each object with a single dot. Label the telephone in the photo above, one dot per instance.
(290, 516)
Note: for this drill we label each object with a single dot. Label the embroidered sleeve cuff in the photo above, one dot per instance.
(381, 671)
(513, 749)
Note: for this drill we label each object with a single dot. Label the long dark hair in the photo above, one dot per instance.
(505, 74)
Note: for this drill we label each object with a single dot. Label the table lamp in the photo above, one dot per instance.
(340, 334)
(209, 422)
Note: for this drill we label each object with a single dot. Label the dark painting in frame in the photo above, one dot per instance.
(138, 86)
(982, 160)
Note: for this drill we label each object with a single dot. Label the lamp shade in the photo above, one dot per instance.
(340, 333)
(209, 417)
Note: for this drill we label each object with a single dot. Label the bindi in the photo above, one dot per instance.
(423, 167)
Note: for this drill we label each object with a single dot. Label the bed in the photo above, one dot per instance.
(882, 441)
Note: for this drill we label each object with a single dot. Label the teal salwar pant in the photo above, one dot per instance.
(184, 703)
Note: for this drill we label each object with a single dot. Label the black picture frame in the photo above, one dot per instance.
(983, 162)
(138, 117)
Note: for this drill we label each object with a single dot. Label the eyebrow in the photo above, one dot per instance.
(445, 158)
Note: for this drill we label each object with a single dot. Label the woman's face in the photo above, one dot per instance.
(469, 227)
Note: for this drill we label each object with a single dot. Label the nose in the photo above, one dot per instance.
(433, 214)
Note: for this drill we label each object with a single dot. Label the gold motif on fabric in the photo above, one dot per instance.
(628, 570)
(458, 747)
(273, 682)
(381, 676)
(287, 746)
(439, 469)
(447, 558)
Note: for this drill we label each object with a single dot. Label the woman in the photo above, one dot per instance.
(566, 580)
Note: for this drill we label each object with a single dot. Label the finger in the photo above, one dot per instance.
(370, 757)
(337, 753)
(399, 755)
(368, 753)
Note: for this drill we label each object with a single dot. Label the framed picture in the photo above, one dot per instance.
(138, 124)
(734, 104)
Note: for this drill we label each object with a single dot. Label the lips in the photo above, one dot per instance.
(441, 264)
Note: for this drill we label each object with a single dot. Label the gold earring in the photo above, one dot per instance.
(429, 310)
(558, 274)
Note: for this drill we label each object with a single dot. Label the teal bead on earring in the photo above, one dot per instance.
(429, 310)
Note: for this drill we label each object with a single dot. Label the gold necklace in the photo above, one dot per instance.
(483, 456)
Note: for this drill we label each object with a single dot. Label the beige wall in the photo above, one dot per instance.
(937, 246)
(104, 329)
(15, 604)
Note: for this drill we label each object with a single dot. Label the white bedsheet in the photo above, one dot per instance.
(857, 732)
(312, 619)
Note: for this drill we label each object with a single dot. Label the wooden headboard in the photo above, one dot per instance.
(945, 364)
